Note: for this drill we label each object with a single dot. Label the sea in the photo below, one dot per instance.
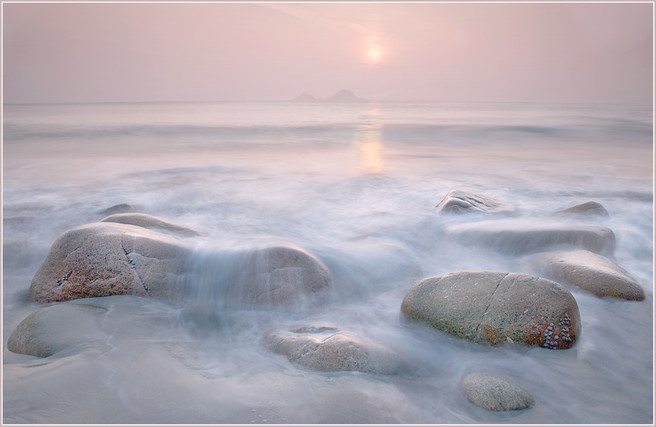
(356, 185)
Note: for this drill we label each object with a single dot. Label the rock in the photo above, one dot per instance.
(587, 208)
(106, 258)
(460, 201)
(305, 97)
(589, 271)
(152, 222)
(284, 275)
(495, 393)
(345, 95)
(491, 307)
(342, 96)
(517, 239)
(120, 208)
(325, 348)
(55, 328)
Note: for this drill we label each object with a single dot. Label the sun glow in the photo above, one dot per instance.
(373, 54)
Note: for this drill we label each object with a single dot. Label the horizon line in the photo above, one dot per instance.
(322, 101)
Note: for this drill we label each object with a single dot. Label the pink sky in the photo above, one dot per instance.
(594, 52)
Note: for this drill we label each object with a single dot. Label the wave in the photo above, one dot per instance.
(617, 129)
(291, 124)
(40, 132)
(391, 131)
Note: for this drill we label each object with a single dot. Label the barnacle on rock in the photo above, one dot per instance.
(551, 337)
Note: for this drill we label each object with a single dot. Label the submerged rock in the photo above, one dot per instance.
(326, 348)
(275, 278)
(460, 201)
(106, 258)
(55, 328)
(116, 209)
(495, 393)
(587, 208)
(149, 221)
(491, 307)
(590, 272)
(283, 275)
(519, 239)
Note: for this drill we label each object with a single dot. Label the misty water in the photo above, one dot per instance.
(355, 185)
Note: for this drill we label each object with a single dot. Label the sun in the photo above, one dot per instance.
(373, 54)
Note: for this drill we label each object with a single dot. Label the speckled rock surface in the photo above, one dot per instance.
(152, 222)
(491, 307)
(54, 328)
(326, 348)
(461, 201)
(495, 393)
(584, 209)
(589, 271)
(106, 258)
(517, 239)
(284, 275)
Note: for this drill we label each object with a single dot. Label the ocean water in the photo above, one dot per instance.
(355, 185)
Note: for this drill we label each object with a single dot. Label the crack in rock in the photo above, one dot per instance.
(491, 300)
(134, 268)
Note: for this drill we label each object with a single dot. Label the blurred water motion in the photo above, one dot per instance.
(355, 185)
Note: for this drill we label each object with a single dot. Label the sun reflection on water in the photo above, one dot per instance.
(368, 141)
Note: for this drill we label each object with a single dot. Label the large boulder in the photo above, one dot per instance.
(491, 307)
(584, 209)
(461, 201)
(151, 222)
(326, 348)
(106, 258)
(495, 393)
(589, 271)
(283, 275)
(56, 328)
(517, 238)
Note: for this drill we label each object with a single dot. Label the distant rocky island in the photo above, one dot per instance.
(343, 95)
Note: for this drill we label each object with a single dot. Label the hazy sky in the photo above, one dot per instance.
(594, 52)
